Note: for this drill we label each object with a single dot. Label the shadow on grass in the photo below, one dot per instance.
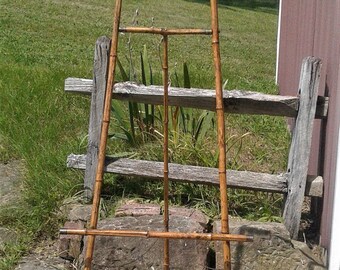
(268, 6)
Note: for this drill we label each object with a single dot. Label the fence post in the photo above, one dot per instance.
(301, 144)
(101, 57)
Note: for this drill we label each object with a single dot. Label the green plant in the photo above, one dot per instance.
(144, 120)
(147, 79)
(260, 206)
(183, 120)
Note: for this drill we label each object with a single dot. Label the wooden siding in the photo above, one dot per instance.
(296, 42)
(332, 85)
(311, 27)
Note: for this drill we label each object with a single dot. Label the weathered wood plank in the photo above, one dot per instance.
(97, 104)
(301, 143)
(199, 175)
(236, 101)
(79, 86)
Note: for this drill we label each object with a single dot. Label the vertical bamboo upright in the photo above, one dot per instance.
(166, 259)
(220, 132)
(104, 133)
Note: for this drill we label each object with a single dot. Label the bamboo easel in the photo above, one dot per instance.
(224, 236)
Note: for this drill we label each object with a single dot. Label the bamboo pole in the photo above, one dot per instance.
(103, 136)
(164, 31)
(162, 235)
(165, 68)
(220, 133)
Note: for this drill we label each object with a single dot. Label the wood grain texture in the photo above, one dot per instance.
(301, 144)
(96, 113)
(152, 170)
(235, 101)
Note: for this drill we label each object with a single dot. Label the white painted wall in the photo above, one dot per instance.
(278, 43)
(334, 258)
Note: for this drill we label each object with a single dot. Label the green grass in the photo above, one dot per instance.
(43, 42)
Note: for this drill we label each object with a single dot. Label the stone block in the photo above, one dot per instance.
(137, 209)
(76, 211)
(70, 246)
(142, 253)
(194, 214)
(80, 212)
(148, 209)
(272, 248)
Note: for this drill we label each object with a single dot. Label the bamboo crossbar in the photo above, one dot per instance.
(162, 235)
(165, 31)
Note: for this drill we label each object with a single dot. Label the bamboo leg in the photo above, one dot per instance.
(103, 136)
(221, 133)
(166, 260)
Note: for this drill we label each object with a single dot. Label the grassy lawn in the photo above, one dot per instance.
(44, 42)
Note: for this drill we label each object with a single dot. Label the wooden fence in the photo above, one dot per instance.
(295, 183)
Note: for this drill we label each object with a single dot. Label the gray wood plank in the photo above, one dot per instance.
(301, 143)
(97, 104)
(236, 101)
(199, 175)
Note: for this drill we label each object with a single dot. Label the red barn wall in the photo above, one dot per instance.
(312, 27)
